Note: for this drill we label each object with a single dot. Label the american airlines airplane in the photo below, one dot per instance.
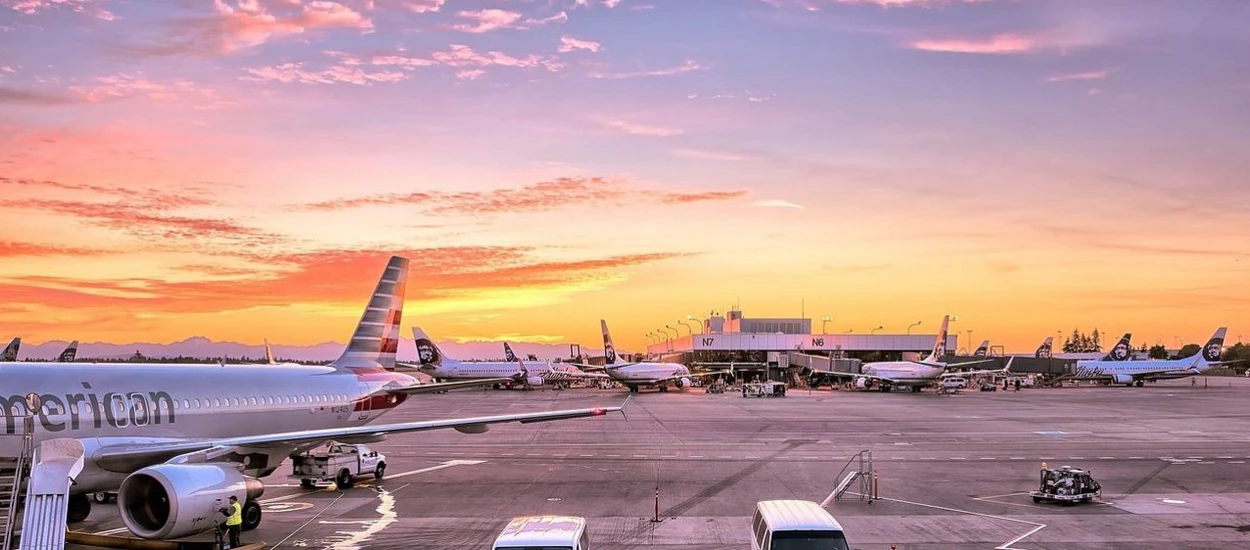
(1137, 372)
(512, 371)
(635, 375)
(176, 438)
(912, 374)
(10, 352)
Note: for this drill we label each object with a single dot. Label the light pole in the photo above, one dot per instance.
(969, 341)
(824, 321)
(916, 324)
(649, 336)
(874, 331)
(955, 318)
(692, 318)
(689, 329)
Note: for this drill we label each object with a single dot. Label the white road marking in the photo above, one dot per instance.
(447, 464)
(1004, 546)
(1106, 458)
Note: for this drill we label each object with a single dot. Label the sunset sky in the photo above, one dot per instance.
(241, 169)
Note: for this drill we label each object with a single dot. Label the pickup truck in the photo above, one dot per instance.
(339, 463)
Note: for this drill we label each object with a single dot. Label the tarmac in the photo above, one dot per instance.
(953, 472)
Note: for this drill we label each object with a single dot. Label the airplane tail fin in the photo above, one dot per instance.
(609, 350)
(1043, 351)
(428, 354)
(10, 352)
(508, 355)
(269, 354)
(1214, 348)
(70, 352)
(1122, 350)
(376, 339)
(939, 345)
(983, 350)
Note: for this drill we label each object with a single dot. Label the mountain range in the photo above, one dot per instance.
(201, 347)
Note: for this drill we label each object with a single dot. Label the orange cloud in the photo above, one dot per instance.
(542, 196)
(998, 44)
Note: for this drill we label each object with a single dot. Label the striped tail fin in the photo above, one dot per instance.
(71, 351)
(376, 339)
(10, 353)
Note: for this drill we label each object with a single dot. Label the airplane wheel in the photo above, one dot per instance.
(100, 497)
(344, 479)
(79, 508)
(1140, 383)
(251, 515)
(379, 471)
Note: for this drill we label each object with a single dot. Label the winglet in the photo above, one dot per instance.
(376, 339)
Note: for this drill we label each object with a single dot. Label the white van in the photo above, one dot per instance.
(795, 525)
(544, 533)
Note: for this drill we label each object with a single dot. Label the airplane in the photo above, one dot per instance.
(70, 352)
(1043, 351)
(643, 373)
(171, 440)
(983, 350)
(10, 352)
(433, 362)
(913, 374)
(1137, 372)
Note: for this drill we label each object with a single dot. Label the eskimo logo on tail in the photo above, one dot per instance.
(1215, 347)
(609, 351)
(1121, 350)
(1043, 351)
(507, 353)
(10, 352)
(70, 352)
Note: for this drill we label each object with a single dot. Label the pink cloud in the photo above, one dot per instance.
(30, 7)
(342, 73)
(423, 6)
(250, 23)
(557, 18)
(641, 130)
(568, 44)
(470, 74)
(686, 67)
(814, 5)
(1091, 75)
(998, 44)
(460, 55)
(486, 20)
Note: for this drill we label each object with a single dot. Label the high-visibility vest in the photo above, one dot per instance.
(236, 514)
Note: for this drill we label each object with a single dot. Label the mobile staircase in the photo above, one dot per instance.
(47, 494)
(863, 474)
(13, 473)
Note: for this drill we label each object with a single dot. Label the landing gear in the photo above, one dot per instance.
(251, 515)
(632, 388)
(1141, 383)
(79, 508)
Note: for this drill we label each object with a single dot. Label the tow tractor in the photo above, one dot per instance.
(1066, 485)
(764, 389)
(340, 463)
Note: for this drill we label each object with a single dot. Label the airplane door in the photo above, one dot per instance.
(366, 402)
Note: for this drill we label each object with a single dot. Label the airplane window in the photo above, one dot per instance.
(216, 401)
(234, 401)
(253, 400)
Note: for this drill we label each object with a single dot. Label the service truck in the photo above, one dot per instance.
(340, 463)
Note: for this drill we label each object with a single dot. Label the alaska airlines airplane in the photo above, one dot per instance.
(913, 374)
(71, 351)
(983, 350)
(510, 372)
(644, 373)
(1043, 351)
(1137, 373)
(176, 438)
(10, 352)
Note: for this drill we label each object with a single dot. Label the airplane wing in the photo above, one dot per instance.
(1006, 368)
(955, 365)
(601, 367)
(691, 375)
(435, 387)
(852, 375)
(130, 457)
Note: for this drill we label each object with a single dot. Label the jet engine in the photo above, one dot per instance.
(534, 380)
(863, 383)
(682, 382)
(170, 501)
(1122, 378)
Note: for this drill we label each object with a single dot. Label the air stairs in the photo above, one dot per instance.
(58, 462)
(13, 473)
(861, 478)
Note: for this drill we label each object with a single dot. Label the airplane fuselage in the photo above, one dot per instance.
(1146, 370)
(109, 403)
(646, 373)
(903, 373)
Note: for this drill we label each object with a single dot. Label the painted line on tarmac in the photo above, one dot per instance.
(1004, 546)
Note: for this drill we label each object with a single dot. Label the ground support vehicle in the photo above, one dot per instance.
(1066, 486)
(339, 463)
(764, 389)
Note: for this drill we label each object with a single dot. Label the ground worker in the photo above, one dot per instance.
(234, 520)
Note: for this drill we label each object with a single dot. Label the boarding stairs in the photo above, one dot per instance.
(56, 464)
(14, 470)
(861, 478)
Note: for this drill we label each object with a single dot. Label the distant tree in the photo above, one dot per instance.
(1189, 350)
(1095, 341)
(1146, 350)
(1157, 351)
(1080, 342)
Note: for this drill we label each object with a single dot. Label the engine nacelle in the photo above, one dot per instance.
(1122, 378)
(534, 380)
(863, 383)
(682, 382)
(170, 501)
